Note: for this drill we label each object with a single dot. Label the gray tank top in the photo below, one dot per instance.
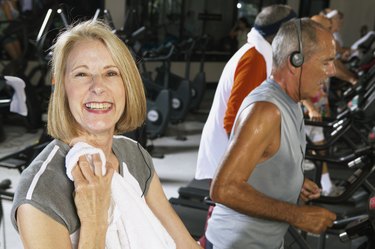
(280, 177)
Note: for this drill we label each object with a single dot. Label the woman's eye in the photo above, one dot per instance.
(112, 73)
(80, 74)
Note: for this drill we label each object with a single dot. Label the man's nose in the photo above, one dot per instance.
(331, 71)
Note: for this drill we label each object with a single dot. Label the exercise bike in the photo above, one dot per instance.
(4, 195)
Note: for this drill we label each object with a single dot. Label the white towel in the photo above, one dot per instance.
(132, 225)
(18, 103)
(331, 14)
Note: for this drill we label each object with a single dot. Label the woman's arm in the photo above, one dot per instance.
(92, 197)
(160, 206)
(38, 230)
(92, 200)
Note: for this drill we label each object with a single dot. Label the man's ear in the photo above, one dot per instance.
(293, 70)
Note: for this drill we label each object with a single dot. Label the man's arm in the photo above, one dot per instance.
(257, 138)
(309, 191)
(344, 73)
(313, 113)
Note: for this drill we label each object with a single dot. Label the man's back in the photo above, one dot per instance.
(214, 137)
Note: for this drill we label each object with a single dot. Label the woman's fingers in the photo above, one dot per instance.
(90, 169)
(87, 171)
(98, 167)
(97, 163)
(78, 177)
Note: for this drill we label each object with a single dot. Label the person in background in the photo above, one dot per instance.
(8, 39)
(317, 108)
(191, 25)
(259, 180)
(337, 18)
(239, 31)
(342, 54)
(247, 68)
(73, 193)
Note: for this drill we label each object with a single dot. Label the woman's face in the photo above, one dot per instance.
(94, 87)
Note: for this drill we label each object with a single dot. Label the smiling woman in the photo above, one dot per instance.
(87, 66)
(94, 87)
(91, 188)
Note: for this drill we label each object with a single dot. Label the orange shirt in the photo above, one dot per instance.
(251, 71)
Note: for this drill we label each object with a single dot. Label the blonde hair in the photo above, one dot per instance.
(61, 123)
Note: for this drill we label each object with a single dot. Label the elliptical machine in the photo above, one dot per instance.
(198, 84)
(179, 87)
(159, 97)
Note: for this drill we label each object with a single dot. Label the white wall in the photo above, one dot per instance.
(356, 14)
(294, 4)
(117, 10)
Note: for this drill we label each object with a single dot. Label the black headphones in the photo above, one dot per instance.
(296, 57)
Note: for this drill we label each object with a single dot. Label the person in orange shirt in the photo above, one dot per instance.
(247, 68)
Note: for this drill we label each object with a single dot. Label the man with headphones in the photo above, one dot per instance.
(259, 181)
(247, 69)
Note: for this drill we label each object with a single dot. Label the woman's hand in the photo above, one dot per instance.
(92, 190)
(92, 198)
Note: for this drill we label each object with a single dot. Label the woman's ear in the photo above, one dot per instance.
(53, 81)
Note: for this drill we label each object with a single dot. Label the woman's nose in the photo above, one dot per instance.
(97, 86)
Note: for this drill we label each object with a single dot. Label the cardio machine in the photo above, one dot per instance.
(5, 194)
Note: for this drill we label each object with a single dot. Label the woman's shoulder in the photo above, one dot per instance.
(47, 169)
(53, 153)
(127, 145)
(135, 157)
(44, 185)
(124, 141)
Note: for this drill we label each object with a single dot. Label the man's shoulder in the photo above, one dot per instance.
(265, 110)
